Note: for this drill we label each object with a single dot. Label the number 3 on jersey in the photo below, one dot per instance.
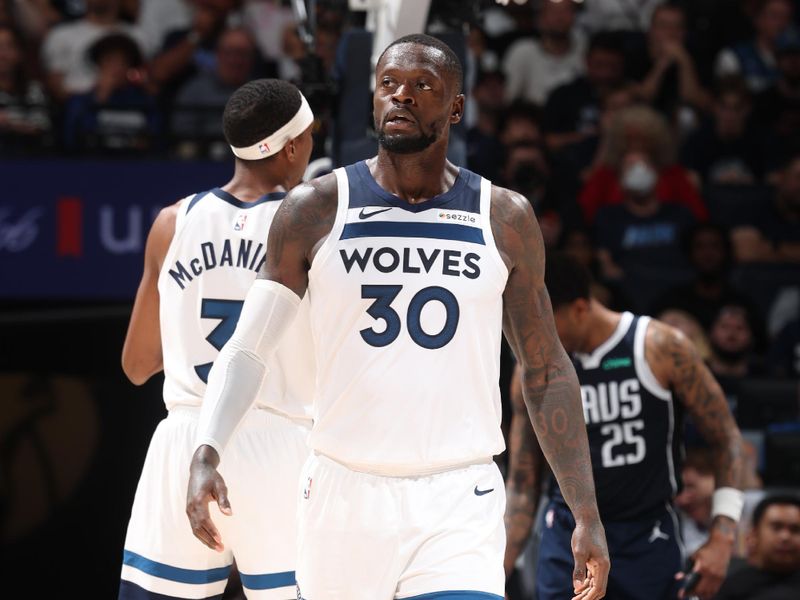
(384, 295)
(228, 312)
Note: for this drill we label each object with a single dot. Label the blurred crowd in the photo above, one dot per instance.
(660, 146)
(144, 77)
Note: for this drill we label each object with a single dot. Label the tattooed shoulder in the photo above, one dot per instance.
(307, 214)
(667, 349)
(513, 224)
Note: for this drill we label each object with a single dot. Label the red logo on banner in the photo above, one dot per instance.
(69, 226)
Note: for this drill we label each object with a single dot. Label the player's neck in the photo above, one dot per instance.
(414, 177)
(248, 185)
(603, 324)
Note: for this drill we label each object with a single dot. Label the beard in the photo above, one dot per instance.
(729, 356)
(405, 144)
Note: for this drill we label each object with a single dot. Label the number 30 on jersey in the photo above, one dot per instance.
(382, 309)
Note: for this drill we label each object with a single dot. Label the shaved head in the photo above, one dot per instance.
(442, 55)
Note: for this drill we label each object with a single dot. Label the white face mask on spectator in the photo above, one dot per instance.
(639, 179)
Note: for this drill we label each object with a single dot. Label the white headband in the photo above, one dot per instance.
(273, 143)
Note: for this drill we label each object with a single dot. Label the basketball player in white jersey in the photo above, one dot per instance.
(202, 255)
(412, 265)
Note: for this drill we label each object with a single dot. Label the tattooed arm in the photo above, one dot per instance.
(299, 227)
(677, 365)
(549, 384)
(524, 479)
(301, 224)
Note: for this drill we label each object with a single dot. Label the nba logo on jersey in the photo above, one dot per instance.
(307, 489)
(263, 147)
(241, 219)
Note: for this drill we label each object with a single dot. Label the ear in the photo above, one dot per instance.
(581, 308)
(291, 150)
(457, 110)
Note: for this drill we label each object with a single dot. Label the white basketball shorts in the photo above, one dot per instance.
(261, 468)
(370, 537)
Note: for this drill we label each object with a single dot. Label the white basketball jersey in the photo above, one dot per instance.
(406, 314)
(219, 246)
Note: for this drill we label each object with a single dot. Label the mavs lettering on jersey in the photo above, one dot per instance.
(630, 422)
(408, 328)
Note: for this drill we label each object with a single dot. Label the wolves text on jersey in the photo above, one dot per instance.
(413, 260)
(238, 253)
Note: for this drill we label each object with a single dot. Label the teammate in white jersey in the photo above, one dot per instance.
(202, 255)
(412, 265)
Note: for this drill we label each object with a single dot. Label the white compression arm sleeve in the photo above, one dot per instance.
(236, 376)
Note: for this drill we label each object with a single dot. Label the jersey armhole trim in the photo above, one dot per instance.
(183, 210)
(643, 370)
(180, 222)
(343, 202)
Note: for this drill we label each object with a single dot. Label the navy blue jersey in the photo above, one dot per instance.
(631, 423)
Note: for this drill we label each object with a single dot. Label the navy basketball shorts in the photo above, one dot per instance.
(645, 555)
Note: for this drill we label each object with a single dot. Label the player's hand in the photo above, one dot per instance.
(711, 562)
(205, 485)
(590, 577)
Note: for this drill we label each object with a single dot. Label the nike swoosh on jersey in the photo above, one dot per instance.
(363, 215)
(482, 492)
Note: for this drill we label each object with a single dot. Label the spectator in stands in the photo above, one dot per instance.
(666, 72)
(755, 59)
(733, 339)
(709, 252)
(694, 500)
(574, 162)
(24, 120)
(520, 123)
(33, 18)
(484, 57)
(572, 112)
(639, 129)
(527, 171)
(777, 108)
(192, 51)
(577, 243)
(200, 101)
(617, 15)
(773, 557)
(728, 150)
(157, 18)
(484, 150)
(534, 67)
(67, 65)
(775, 237)
(118, 114)
(638, 240)
(268, 21)
(784, 353)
